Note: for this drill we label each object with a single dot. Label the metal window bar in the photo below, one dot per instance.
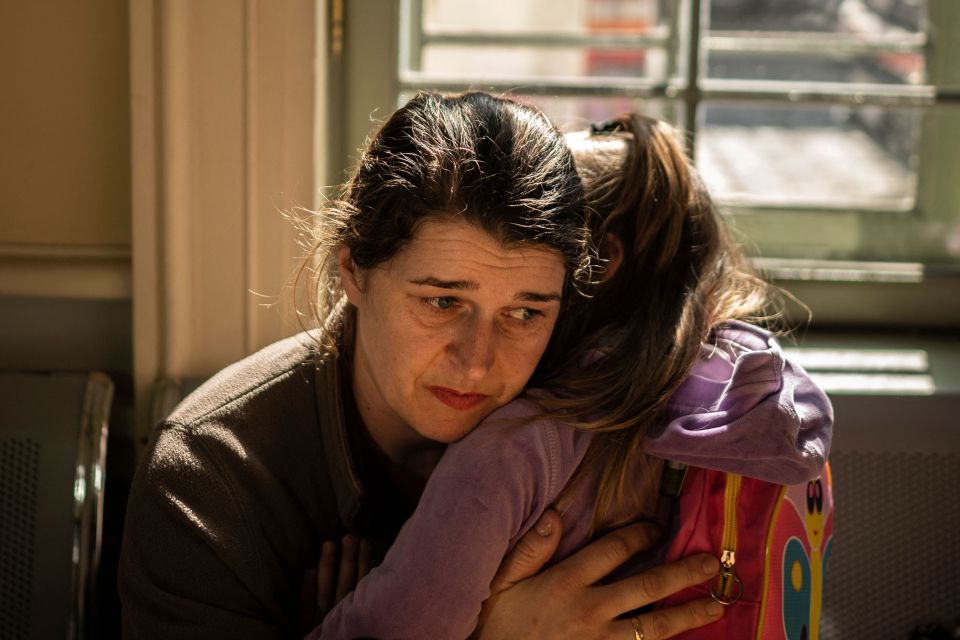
(791, 42)
(411, 37)
(814, 43)
(656, 37)
(668, 9)
(692, 93)
(725, 90)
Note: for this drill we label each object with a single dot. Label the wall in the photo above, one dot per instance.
(64, 186)
(65, 216)
(65, 157)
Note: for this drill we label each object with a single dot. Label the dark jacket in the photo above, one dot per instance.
(236, 492)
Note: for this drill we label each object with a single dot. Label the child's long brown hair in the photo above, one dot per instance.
(680, 276)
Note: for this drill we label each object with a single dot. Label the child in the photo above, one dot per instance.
(668, 371)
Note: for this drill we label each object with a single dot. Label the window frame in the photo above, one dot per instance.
(377, 68)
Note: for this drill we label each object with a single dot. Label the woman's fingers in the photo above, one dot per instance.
(326, 578)
(529, 555)
(339, 570)
(569, 603)
(655, 584)
(599, 558)
(667, 623)
(347, 578)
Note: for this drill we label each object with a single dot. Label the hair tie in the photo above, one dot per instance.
(605, 128)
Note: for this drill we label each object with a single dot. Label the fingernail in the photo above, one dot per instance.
(714, 609)
(545, 526)
(710, 566)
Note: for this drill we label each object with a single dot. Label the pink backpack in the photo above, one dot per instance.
(773, 542)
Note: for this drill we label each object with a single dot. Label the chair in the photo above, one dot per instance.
(53, 434)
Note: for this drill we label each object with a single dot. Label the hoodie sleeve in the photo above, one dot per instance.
(487, 491)
(746, 409)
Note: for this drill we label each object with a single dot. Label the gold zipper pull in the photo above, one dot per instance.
(728, 560)
(728, 587)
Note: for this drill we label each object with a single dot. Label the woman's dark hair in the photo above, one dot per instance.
(681, 276)
(491, 161)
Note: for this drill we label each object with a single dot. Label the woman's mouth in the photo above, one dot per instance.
(457, 400)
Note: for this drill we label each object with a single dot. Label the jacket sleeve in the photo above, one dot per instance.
(186, 549)
(746, 409)
(488, 489)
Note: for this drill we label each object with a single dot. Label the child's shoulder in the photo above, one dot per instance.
(735, 340)
(737, 356)
(520, 434)
(523, 419)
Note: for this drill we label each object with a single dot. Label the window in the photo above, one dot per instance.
(829, 130)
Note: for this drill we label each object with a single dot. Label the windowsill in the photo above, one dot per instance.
(868, 306)
(901, 395)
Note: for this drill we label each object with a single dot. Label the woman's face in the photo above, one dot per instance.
(447, 330)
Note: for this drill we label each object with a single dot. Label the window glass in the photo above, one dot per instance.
(871, 68)
(814, 156)
(521, 62)
(846, 16)
(533, 16)
(862, 41)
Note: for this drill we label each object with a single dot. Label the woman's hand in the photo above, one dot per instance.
(335, 579)
(566, 601)
(340, 568)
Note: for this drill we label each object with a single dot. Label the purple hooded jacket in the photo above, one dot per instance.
(743, 409)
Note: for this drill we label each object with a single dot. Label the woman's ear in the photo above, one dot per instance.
(611, 253)
(350, 276)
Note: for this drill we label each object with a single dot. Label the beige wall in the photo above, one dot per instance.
(64, 123)
(146, 149)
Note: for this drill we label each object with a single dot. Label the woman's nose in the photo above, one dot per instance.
(474, 348)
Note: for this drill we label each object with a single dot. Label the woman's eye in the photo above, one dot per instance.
(441, 303)
(524, 314)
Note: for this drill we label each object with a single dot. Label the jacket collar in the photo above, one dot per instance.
(336, 443)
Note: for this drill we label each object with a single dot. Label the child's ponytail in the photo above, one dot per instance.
(680, 276)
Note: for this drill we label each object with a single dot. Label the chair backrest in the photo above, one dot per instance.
(53, 429)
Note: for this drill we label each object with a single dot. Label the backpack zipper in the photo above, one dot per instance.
(728, 587)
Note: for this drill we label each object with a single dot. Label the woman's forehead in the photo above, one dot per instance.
(447, 237)
(459, 226)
